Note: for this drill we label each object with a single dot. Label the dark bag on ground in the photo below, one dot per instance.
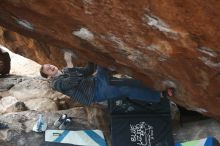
(135, 123)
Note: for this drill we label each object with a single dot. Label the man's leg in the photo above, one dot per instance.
(102, 75)
(130, 88)
(103, 90)
(140, 93)
(134, 89)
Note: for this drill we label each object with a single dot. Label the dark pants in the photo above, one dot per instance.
(130, 88)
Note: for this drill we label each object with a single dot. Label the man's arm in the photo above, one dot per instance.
(86, 71)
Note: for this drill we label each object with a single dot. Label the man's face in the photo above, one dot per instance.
(49, 69)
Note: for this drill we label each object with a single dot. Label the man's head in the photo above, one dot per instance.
(48, 70)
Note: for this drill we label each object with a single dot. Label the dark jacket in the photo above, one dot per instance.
(77, 82)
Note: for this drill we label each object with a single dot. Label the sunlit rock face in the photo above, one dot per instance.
(30, 48)
(164, 43)
(38, 51)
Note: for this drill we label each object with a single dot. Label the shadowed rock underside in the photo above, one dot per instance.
(161, 42)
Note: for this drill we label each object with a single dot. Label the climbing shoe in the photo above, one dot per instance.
(169, 92)
(65, 124)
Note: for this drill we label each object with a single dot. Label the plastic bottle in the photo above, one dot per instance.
(40, 125)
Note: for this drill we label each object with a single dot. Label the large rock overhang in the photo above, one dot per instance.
(163, 43)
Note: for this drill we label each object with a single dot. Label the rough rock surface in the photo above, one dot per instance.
(38, 51)
(197, 130)
(162, 42)
(7, 104)
(20, 125)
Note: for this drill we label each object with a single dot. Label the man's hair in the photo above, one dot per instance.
(42, 73)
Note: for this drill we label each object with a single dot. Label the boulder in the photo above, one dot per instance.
(163, 43)
(197, 130)
(32, 88)
(7, 104)
(41, 104)
(19, 131)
